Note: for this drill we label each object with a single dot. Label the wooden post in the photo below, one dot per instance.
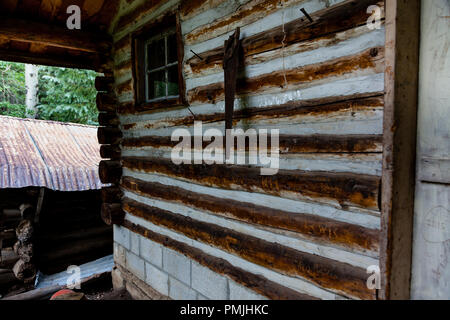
(400, 122)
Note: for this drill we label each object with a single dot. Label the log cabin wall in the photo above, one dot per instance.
(227, 232)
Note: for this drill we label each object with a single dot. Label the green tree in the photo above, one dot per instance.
(67, 95)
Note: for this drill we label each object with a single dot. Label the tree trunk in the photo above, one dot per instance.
(32, 84)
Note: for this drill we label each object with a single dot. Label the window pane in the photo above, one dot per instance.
(173, 81)
(156, 54)
(172, 54)
(157, 84)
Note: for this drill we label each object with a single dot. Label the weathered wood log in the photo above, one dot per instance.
(7, 235)
(27, 211)
(8, 258)
(24, 271)
(24, 231)
(112, 213)
(104, 83)
(35, 32)
(25, 251)
(107, 135)
(110, 152)
(108, 119)
(10, 215)
(111, 195)
(110, 171)
(106, 102)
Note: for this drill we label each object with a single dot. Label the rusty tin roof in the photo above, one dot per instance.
(55, 155)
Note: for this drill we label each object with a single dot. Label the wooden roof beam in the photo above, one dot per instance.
(55, 36)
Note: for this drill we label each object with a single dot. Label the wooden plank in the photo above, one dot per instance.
(339, 189)
(317, 228)
(258, 283)
(34, 32)
(321, 271)
(434, 170)
(79, 62)
(400, 119)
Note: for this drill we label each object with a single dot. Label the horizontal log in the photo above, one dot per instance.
(191, 8)
(8, 258)
(288, 144)
(110, 152)
(108, 135)
(106, 102)
(108, 119)
(110, 171)
(65, 60)
(136, 13)
(322, 271)
(25, 271)
(258, 283)
(124, 87)
(326, 23)
(343, 189)
(112, 213)
(25, 231)
(104, 84)
(295, 110)
(371, 60)
(7, 235)
(311, 226)
(111, 195)
(25, 251)
(55, 36)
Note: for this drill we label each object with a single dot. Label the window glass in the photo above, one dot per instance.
(162, 67)
(173, 80)
(156, 84)
(156, 54)
(172, 54)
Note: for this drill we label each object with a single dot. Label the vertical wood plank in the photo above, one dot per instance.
(400, 127)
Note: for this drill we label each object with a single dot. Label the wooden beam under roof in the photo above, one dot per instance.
(55, 36)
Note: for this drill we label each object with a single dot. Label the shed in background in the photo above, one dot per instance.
(49, 176)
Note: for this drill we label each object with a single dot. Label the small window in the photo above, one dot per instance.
(158, 52)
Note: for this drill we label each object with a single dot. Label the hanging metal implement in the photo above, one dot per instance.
(230, 66)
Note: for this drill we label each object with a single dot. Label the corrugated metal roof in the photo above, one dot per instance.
(59, 156)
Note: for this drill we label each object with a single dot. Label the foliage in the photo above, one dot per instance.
(66, 95)
(12, 83)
